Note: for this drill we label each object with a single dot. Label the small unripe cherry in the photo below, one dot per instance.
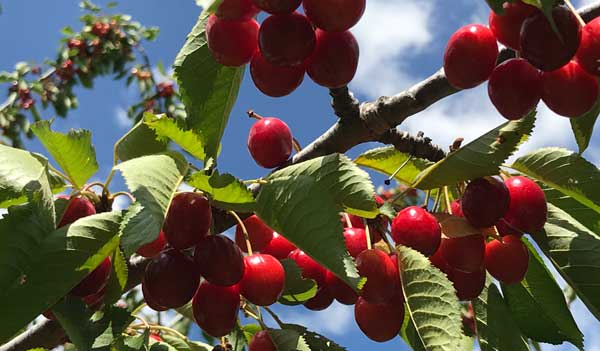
(232, 43)
(334, 15)
(273, 80)
(219, 260)
(78, 208)
(515, 88)
(470, 56)
(418, 229)
(528, 209)
(383, 279)
(588, 54)
(311, 269)
(261, 341)
(154, 248)
(259, 233)
(341, 291)
(379, 322)
(237, 10)
(456, 208)
(485, 201)
(278, 6)
(356, 240)
(270, 142)
(507, 26)
(286, 39)
(263, 281)
(334, 61)
(507, 260)
(467, 285)
(569, 91)
(216, 308)
(464, 253)
(95, 281)
(279, 247)
(322, 300)
(150, 300)
(188, 220)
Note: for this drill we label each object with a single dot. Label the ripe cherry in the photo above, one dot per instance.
(232, 43)
(588, 54)
(515, 88)
(219, 260)
(507, 260)
(467, 285)
(542, 47)
(165, 89)
(263, 280)
(456, 208)
(528, 209)
(261, 341)
(310, 268)
(334, 15)
(485, 201)
(416, 228)
(150, 300)
(154, 248)
(356, 240)
(322, 300)
(341, 291)
(78, 208)
(259, 233)
(237, 10)
(355, 220)
(171, 278)
(95, 281)
(383, 280)
(216, 307)
(278, 6)
(272, 80)
(464, 253)
(569, 91)
(470, 56)
(155, 337)
(279, 247)
(507, 26)
(334, 62)
(287, 39)
(439, 261)
(270, 142)
(188, 220)
(95, 301)
(379, 322)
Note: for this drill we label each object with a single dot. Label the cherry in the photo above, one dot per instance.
(154, 248)
(272, 80)
(467, 285)
(379, 322)
(542, 47)
(464, 253)
(279, 247)
(150, 300)
(334, 15)
(286, 39)
(439, 261)
(216, 307)
(528, 209)
(259, 233)
(507, 260)
(78, 208)
(504, 228)
(468, 320)
(171, 278)
(334, 62)
(382, 275)
(456, 208)
(165, 89)
(341, 291)
(219, 260)
(515, 88)
(263, 280)
(101, 29)
(322, 300)
(310, 268)
(236, 10)
(95, 301)
(278, 6)
(356, 221)
(95, 281)
(470, 56)
(588, 54)
(270, 142)
(416, 228)
(188, 220)
(261, 341)
(569, 91)
(155, 337)
(507, 26)
(485, 201)
(232, 43)
(356, 240)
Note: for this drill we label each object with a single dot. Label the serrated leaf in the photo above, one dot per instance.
(583, 214)
(139, 141)
(134, 343)
(409, 334)
(226, 191)
(481, 157)
(107, 327)
(387, 159)
(287, 339)
(297, 289)
(167, 128)
(583, 126)
(306, 338)
(118, 278)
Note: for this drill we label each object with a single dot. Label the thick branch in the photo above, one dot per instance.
(418, 146)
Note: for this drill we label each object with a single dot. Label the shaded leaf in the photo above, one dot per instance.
(583, 126)
(226, 191)
(166, 127)
(297, 289)
(387, 159)
(139, 141)
(455, 226)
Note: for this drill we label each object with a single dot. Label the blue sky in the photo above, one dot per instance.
(401, 42)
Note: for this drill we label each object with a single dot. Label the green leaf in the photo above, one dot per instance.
(539, 295)
(496, 5)
(73, 152)
(226, 191)
(166, 127)
(237, 338)
(250, 330)
(297, 289)
(134, 343)
(583, 126)
(296, 337)
(139, 141)
(181, 345)
(209, 6)
(387, 159)
(410, 335)
(118, 278)
(583, 214)
(208, 90)
(481, 157)
(107, 326)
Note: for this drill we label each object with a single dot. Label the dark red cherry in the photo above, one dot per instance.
(322, 300)
(261, 341)
(286, 39)
(232, 43)
(515, 88)
(154, 248)
(334, 61)
(216, 308)
(439, 261)
(588, 54)
(507, 26)
(485, 201)
(383, 280)
(464, 253)
(150, 300)
(263, 280)
(467, 285)
(279, 247)
(456, 208)
(528, 209)
(270, 142)
(341, 291)
(569, 91)
(379, 322)
(95, 281)
(310, 268)
(278, 6)
(507, 260)
(470, 56)
(504, 228)
(356, 240)
(78, 208)
(219, 260)
(544, 48)
(260, 234)
(334, 15)
(95, 301)
(237, 10)
(416, 228)
(272, 80)
(188, 220)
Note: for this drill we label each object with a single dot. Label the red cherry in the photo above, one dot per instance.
(261, 341)
(279, 247)
(439, 261)
(470, 56)
(171, 278)
(278, 6)
(95, 301)
(165, 89)
(154, 248)
(464, 253)
(356, 221)
(155, 337)
(416, 228)
(188, 220)
(237, 10)
(569, 91)
(515, 88)
(263, 280)
(270, 142)
(78, 208)
(286, 39)
(456, 208)
(343, 293)
(379, 322)
(528, 209)
(150, 300)
(485, 201)
(219, 260)
(507, 260)
(334, 62)
(310, 268)
(542, 47)
(322, 300)
(272, 80)
(95, 281)
(259, 233)
(504, 228)
(100, 29)
(383, 280)
(507, 26)
(232, 43)
(588, 54)
(356, 240)
(216, 307)
(468, 285)
(334, 15)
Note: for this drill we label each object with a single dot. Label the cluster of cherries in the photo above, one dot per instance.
(560, 68)
(286, 44)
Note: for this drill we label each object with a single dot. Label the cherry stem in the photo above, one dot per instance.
(143, 321)
(438, 197)
(494, 233)
(296, 145)
(504, 174)
(426, 201)
(91, 185)
(398, 195)
(139, 308)
(572, 8)
(246, 236)
(389, 180)
(124, 193)
(447, 198)
(368, 233)
(255, 181)
(165, 329)
(387, 240)
(254, 115)
(348, 221)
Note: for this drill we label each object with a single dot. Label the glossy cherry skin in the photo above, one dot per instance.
(507, 260)
(270, 142)
(277, 6)
(515, 88)
(232, 43)
(343, 293)
(154, 248)
(485, 201)
(263, 280)
(188, 220)
(78, 208)
(334, 61)
(150, 300)
(334, 15)
(279, 247)
(272, 80)
(355, 220)
(310, 268)
(171, 278)
(237, 10)
(95, 281)
(383, 280)
(356, 240)
(219, 260)
(379, 322)
(261, 341)
(216, 307)
(569, 91)
(467, 285)
(416, 228)
(259, 233)
(588, 54)
(470, 56)
(286, 39)
(507, 26)
(456, 208)
(322, 300)
(528, 209)
(464, 253)
(545, 49)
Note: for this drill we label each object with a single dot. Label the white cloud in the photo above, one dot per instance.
(121, 119)
(335, 320)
